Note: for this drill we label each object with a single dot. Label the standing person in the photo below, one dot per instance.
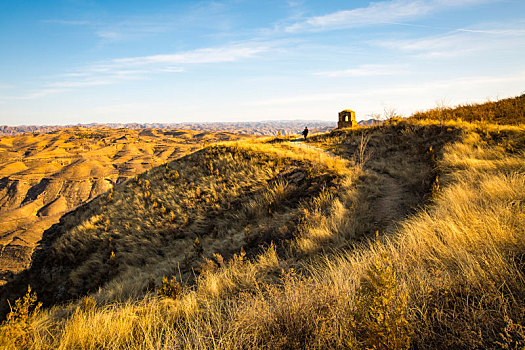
(305, 132)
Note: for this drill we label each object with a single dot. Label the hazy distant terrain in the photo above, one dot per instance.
(43, 176)
(268, 128)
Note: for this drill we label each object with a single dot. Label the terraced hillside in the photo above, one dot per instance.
(43, 176)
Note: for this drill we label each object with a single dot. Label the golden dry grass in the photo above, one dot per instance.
(445, 270)
(508, 111)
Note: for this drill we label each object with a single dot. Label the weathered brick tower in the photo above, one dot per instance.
(346, 119)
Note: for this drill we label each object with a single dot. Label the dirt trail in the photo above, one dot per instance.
(300, 143)
(389, 207)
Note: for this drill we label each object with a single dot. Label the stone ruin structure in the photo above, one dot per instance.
(346, 119)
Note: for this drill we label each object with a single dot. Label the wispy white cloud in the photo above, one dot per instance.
(172, 69)
(207, 55)
(133, 28)
(377, 13)
(458, 43)
(66, 22)
(37, 94)
(78, 84)
(366, 70)
(435, 88)
(143, 67)
(294, 3)
(448, 45)
(511, 32)
(110, 35)
(127, 29)
(107, 75)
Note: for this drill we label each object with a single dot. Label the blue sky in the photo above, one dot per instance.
(81, 61)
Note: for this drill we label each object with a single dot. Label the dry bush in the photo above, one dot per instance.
(16, 331)
(380, 310)
(299, 314)
(169, 288)
(362, 155)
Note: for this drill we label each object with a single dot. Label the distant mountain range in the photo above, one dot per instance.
(369, 122)
(268, 128)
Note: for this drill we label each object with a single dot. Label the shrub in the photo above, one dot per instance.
(381, 323)
(110, 195)
(198, 247)
(169, 288)
(505, 111)
(16, 330)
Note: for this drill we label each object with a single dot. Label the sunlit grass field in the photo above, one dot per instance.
(408, 234)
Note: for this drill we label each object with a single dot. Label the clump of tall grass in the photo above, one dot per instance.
(169, 288)
(17, 329)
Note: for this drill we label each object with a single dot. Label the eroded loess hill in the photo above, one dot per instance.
(445, 269)
(43, 176)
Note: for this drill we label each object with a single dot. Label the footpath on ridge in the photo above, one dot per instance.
(390, 206)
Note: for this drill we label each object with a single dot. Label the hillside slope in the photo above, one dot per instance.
(227, 197)
(43, 176)
(510, 111)
(406, 234)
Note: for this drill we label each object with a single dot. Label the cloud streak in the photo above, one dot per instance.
(457, 43)
(405, 91)
(142, 67)
(133, 68)
(67, 22)
(384, 12)
(37, 94)
(366, 70)
(115, 31)
(207, 55)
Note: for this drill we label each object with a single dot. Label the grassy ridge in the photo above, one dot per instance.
(506, 111)
(225, 196)
(444, 271)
